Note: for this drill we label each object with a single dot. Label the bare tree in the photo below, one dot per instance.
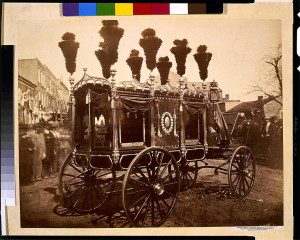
(271, 82)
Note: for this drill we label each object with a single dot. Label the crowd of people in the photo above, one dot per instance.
(42, 150)
(263, 136)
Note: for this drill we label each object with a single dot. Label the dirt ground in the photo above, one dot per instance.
(203, 205)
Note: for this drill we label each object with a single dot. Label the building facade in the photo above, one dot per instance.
(229, 103)
(265, 108)
(49, 95)
(274, 109)
(27, 103)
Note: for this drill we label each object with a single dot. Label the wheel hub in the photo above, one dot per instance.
(158, 188)
(90, 179)
(247, 172)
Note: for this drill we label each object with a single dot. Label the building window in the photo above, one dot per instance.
(39, 76)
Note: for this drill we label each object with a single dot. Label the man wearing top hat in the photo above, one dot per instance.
(48, 161)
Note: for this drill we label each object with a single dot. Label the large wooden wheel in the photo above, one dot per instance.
(188, 174)
(83, 188)
(241, 172)
(150, 187)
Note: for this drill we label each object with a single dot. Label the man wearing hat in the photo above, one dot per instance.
(50, 153)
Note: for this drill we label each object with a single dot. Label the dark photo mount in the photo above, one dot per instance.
(296, 118)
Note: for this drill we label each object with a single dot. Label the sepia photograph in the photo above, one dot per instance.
(168, 122)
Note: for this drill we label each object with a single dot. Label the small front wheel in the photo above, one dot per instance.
(188, 175)
(151, 187)
(241, 172)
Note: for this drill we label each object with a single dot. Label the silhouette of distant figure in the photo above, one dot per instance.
(48, 161)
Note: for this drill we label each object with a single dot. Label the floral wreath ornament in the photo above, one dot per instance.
(167, 122)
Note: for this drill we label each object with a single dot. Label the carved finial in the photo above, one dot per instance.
(71, 80)
(113, 73)
(152, 78)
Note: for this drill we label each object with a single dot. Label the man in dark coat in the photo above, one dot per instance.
(26, 152)
(48, 162)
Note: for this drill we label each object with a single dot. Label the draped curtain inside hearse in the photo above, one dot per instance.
(134, 121)
(193, 122)
(93, 121)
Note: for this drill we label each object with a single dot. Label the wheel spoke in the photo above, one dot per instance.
(97, 171)
(159, 210)
(146, 212)
(251, 178)
(189, 176)
(79, 198)
(236, 167)
(109, 185)
(136, 202)
(169, 174)
(71, 194)
(152, 211)
(234, 172)
(139, 191)
(136, 174)
(74, 177)
(164, 169)
(186, 179)
(167, 192)
(141, 208)
(243, 182)
(141, 172)
(170, 183)
(96, 187)
(238, 182)
(148, 172)
(164, 201)
(233, 182)
(76, 183)
(84, 202)
(239, 188)
(140, 182)
(74, 167)
(248, 185)
(247, 166)
(159, 164)
(110, 172)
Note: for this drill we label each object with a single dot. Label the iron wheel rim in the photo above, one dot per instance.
(149, 182)
(241, 172)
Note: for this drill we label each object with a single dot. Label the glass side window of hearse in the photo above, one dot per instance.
(102, 135)
(85, 129)
(193, 126)
(131, 128)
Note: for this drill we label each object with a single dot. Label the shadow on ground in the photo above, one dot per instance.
(114, 216)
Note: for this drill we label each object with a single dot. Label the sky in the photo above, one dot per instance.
(237, 47)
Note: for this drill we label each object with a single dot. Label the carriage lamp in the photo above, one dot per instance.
(214, 94)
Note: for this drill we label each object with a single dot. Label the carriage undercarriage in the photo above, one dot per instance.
(151, 184)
